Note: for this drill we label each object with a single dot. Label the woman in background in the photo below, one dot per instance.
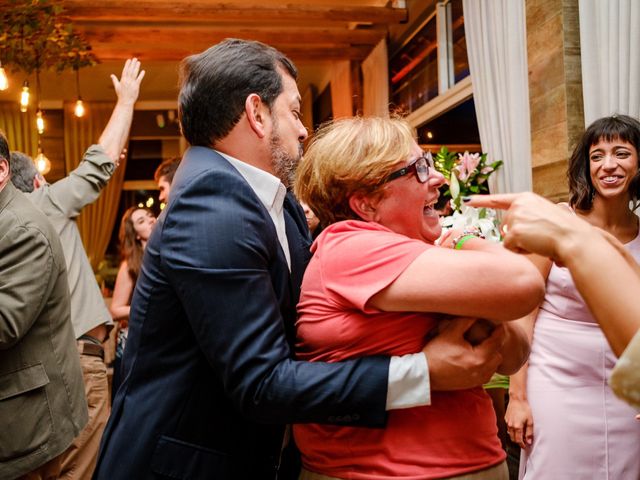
(377, 284)
(561, 410)
(135, 228)
(312, 221)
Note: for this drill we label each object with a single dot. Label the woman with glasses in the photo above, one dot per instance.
(378, 284)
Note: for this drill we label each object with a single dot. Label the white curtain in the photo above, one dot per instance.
(341, 91)
(375, 82)
(610, 55)
(495, 32)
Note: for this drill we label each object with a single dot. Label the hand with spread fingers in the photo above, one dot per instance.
(128, 87)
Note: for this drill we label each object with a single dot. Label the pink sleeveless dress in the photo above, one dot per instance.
(581, 429)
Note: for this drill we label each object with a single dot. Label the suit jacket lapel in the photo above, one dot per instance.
(299, 240)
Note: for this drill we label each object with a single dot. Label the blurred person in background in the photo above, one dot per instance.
(43, 405)
(135, 229)
(164, 176)
(62, 202)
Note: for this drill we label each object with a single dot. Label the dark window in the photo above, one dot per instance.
(414, 70)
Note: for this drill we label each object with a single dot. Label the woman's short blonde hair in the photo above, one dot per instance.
(347, 156)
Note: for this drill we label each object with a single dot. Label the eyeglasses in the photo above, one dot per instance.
(420, 166)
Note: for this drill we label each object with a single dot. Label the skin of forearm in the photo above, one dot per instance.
(120, 312)
(608, 284)
(515, 350)
(518, 383)
(116, 132)
(518, 379)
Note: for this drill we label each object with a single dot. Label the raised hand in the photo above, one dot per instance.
(128, 87)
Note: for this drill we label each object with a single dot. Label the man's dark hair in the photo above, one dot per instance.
(215, 84)
(23, 170)
(167, 169)
(622, 127)
(4, 147)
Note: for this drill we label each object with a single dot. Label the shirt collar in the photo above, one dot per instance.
(267, 187)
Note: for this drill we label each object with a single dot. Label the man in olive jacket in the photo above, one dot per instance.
(42, 402)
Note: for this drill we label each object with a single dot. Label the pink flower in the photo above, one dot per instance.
(467, 163)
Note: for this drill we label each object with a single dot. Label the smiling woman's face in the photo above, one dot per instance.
(612, 166)
(407, 204)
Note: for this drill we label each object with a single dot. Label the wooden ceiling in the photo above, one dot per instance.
(313, 33)
(169, 30)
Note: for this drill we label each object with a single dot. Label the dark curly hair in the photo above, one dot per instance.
(622, 127)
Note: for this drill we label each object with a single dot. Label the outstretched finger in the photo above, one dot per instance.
(501, 201)
(125, 68)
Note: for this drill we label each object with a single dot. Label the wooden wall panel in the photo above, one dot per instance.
(555, 91)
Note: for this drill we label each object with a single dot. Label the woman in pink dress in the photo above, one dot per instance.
(561, 410)
(377, 284)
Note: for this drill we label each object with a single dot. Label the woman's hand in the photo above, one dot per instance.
(533, 224)
(519, 422)
(447, 236)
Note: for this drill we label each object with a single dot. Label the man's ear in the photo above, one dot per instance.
(4, 170)
(363, 205)
(256, 110)
(38, 181)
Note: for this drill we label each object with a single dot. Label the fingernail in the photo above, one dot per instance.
(466, 199)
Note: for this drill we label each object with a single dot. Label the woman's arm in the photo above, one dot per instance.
(481, 280)
(122, 293)
(608, 282)
(518, 415)
(606, 276)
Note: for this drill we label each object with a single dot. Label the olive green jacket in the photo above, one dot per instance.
(42, 400)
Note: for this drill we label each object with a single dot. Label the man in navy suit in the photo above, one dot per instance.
(210, 380)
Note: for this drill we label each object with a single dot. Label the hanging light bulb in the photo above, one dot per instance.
(40, 122)
(43, 165)
(24, 97)
(79, 110)
(4, 81)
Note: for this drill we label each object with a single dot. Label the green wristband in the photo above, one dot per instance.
(464, 239)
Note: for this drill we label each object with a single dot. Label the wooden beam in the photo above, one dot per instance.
(203, 10)
(150, 51)
(133, 34)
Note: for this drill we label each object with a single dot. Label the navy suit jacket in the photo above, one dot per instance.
(210, 379)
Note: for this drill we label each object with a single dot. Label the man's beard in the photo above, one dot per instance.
(284, 165)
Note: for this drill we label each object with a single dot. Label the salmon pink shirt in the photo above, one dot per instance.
(456, 434)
